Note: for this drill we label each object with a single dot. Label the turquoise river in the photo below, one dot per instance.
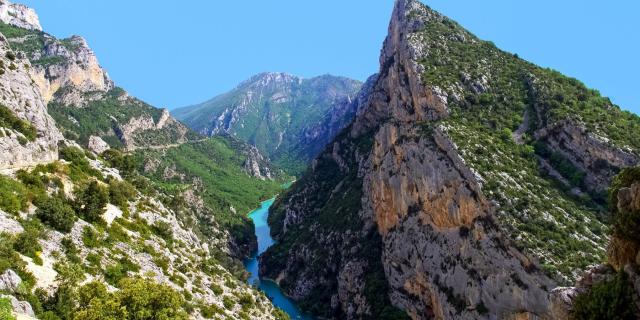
(270, 288)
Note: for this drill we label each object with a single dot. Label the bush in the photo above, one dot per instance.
(126, 164)
(27, 242)
(624, 223)
(606, 300)
(9, 120)
(91, 202)
(13, 195)
(80, 167)
(56, 213)
(5, 309)
(113, 274)
(91, 238)
(121, 192)
(139, 299)
(163, 230)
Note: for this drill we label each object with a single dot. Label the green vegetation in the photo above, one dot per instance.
(5, 309)
(31, 41)
(276, 127)
(13, 195)
(606, 300)
(104, 117)
(91, 202)
(27, 241)
(10, 121)
(548, 220)
(625, 223)
(216, 165)
(57, 213)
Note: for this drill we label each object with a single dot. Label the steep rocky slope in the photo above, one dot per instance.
(288, 118)
(29, 135)
(468, 186)
(83, 235)
(218, 177)
(79, 93)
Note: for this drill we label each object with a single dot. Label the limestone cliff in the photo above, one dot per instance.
(18, 94)
(81, 96)
(435, 201)
(19, 15)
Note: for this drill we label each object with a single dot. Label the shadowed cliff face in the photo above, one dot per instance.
(400, 212)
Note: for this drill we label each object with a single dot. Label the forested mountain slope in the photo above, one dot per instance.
(289, 119)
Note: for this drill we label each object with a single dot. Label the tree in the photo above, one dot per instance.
(55, 212)
(138, 298)
(91, 202)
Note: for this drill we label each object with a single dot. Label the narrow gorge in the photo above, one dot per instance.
(457, 182)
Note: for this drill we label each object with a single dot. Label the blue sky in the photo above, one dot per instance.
(178, 53)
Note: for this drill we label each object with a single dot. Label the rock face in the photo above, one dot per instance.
(19, 15)
(97, 145)
(81, 96)
(80, 70)
(9, 281)
(256, 165)
(287, 118)
(23, 99)
(404, 213)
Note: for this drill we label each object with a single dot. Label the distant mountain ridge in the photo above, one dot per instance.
(288, 118)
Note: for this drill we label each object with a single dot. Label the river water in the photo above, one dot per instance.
(270, 288)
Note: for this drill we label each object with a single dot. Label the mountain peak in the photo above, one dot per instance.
(267, 78)
(19, 15)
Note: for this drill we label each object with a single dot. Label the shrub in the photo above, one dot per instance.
(228, 302)
(9, 120)
(13, 195)
(120, 192)
(139, 299)
(10, 55)
(57, 213)
(80, 167)
(606, 300)
(5, 309)
(91, 238)
(27, 242)
(91, 202)
(113, 274)
(624, 223)
(126, 164)
(163, 230)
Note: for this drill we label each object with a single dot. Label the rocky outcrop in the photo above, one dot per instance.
(130, 132)
(255, 165)
(18, 94)
(79, 70)
(22, 309)
(593, 155)
(9, 281)
(97, 145)
(19, 15)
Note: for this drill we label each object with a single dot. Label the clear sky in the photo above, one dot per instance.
(177, 53)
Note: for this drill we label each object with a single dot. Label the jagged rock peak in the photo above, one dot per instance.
(19, 15)
(270, 78)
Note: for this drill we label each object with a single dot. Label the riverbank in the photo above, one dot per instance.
(270, 288)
